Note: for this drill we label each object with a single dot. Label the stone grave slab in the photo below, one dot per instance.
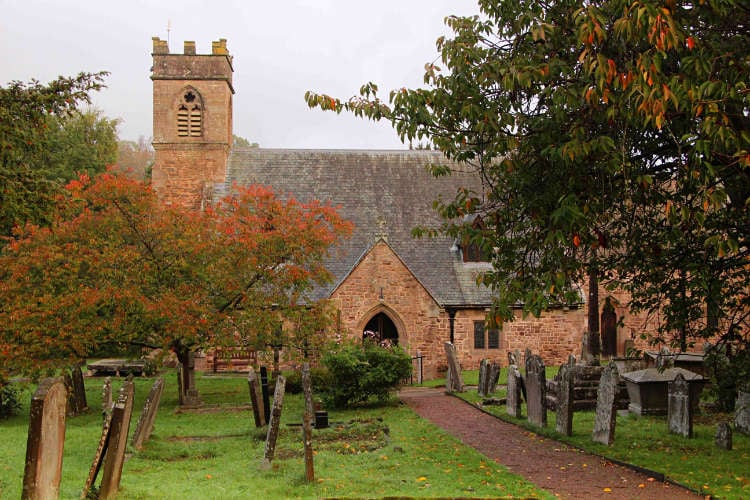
(536, 387)
(679, 410)
(606, 410)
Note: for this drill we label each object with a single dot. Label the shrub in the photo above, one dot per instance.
(9, 404)
(319, 376)
(360, 371)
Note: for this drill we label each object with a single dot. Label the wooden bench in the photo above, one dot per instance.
(232, 359)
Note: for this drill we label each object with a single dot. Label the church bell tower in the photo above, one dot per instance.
(192, 121)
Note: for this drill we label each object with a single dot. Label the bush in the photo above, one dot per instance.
(361, 371)
(727, 375)
(319, 376)
(9, 404)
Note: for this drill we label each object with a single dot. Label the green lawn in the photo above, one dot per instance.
(645, 441)
(369, 452)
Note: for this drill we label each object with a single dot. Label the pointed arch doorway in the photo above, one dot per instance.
(383, 327)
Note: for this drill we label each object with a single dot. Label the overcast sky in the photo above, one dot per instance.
(281, 49)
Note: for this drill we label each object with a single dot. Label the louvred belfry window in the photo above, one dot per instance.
(190, 116)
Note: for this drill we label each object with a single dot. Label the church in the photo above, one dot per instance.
(419, 293)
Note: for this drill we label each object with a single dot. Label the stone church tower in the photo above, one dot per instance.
(192, 121)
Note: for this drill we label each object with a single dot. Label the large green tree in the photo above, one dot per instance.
(613, 140)
(27, 110)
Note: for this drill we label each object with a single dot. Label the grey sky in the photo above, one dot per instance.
(280, 48)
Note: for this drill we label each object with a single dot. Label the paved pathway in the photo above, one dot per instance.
(566, 472)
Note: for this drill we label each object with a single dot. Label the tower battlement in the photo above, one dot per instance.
(161, 47)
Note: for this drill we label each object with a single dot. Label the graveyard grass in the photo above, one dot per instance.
(646, 442)
(216, 453)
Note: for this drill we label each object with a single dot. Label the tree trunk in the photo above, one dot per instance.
(593, 313)
(185, 356)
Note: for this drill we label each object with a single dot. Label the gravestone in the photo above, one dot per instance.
(107, 397)
(273, 424)
(98, 456)
(513, 358)
(742, 413)
(590, 348)
(482, 385)
(145, 425)
(665, 359)
(46, 438)
(513, 397)
(723, 438)
(493, 377)
(606, 410)
(78, 394)
(307, 423)
(564, 415)
(536, 388)
(117, 442)
(457, 382)
(679, 408)
(256, 398)
(264, 393)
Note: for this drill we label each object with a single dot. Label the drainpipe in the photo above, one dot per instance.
(452, 322)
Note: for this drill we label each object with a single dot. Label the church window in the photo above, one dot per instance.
(190, 116)
(485, 338)
(472, 251)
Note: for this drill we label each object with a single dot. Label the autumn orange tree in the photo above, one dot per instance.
(613, 138)
(116, 266)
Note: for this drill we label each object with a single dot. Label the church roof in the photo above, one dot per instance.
(385, 194)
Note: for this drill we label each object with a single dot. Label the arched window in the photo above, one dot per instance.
(471, 250)
(190, 115)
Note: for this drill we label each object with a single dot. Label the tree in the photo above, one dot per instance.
(613, 141)
(241, 142)
(25, 111)
(116, 266)
(135, 158)
(79, 142)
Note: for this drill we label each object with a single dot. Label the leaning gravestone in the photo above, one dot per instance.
(606, 410)
(742, 412)
(256, 398)
(145, 425)
(513, 398)
(98, 456)
(482, 385)
(536, 389)
(457, 382)
(44, 447)
(107, 397)
(117, 442)
(679, 408)
(273, 424)
(78, 395)
(564, 415)
(723, 438)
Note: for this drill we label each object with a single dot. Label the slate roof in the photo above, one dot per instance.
(385, 194)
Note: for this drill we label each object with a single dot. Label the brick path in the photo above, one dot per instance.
(566, 472)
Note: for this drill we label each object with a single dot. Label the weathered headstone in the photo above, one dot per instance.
(742, 412)
(78, 395)
(107, 397)
(665, 359)
(724, 436)
(564, 415)
(536, 391)
(457, 382)
(482, 384)
(512, 358)
(44, 445)
(256, 398)
(264, 393)
(679, 408)
(117, 442)
(307, 423)
(273, 424)
(98, 456)
(145, 425)
(606, 410)
(513, 397)
(492, 377)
